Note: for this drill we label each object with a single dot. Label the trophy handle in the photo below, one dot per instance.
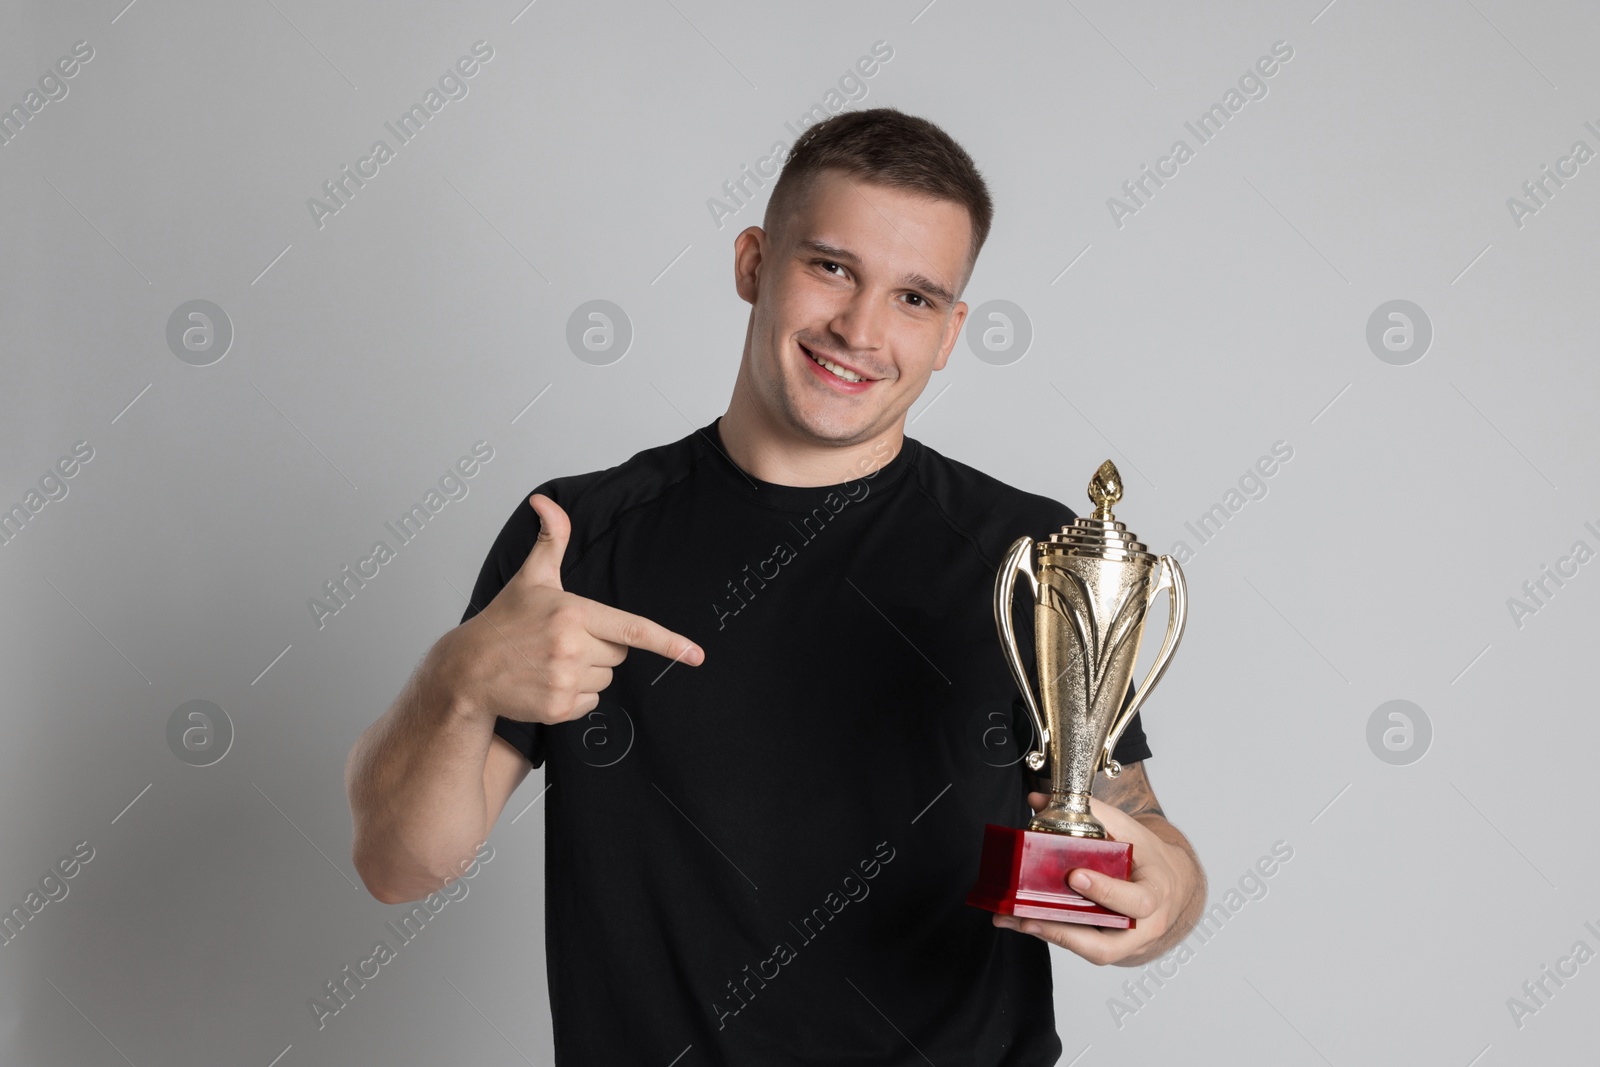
(1171, 579)
(1019, 560)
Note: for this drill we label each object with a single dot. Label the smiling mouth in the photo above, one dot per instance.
(842, 373)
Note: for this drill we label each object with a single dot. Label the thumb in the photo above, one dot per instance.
(543, 565)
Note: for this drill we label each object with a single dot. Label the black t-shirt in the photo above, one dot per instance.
(765, 857)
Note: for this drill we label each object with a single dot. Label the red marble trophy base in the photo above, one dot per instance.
(1024, 873)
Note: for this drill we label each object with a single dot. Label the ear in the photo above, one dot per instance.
(749, 252)
(952, 334)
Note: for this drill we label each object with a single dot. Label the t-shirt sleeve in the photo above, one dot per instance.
(510, 549)
(1132, 746)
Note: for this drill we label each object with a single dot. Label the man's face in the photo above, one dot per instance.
(863, 276)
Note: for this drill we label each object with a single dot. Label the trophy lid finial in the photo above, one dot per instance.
(1105, 489)
(1098, 535)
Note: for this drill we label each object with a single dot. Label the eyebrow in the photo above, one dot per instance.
(916, 281)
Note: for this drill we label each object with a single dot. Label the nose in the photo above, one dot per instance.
(859, 324)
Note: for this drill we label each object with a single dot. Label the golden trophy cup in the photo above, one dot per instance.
(1093, 584)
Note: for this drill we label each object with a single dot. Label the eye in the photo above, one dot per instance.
(919, 297)
(826, 263)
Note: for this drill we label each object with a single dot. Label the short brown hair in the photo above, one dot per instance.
(885, 146)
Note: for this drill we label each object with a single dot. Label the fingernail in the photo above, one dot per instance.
(1006, 921)
(1080, 880)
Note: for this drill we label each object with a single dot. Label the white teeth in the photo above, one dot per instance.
(835, 368)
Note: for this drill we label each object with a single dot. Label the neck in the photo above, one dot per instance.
(773, 452)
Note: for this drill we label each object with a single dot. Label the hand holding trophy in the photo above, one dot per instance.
(1093, 584)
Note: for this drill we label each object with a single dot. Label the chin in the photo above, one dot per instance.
(834, 427)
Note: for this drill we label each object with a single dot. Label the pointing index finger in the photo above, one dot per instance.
(636, 631)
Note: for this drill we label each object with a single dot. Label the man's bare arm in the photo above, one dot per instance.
(1131, 792)
(428, 779)
(426, 782)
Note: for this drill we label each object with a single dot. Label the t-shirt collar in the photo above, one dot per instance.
(799, 497)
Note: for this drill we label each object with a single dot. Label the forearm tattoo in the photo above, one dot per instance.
(1130, 791)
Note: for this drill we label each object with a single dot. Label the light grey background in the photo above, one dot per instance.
(1229, 313)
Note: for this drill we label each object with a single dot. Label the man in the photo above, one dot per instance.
(759, 837)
